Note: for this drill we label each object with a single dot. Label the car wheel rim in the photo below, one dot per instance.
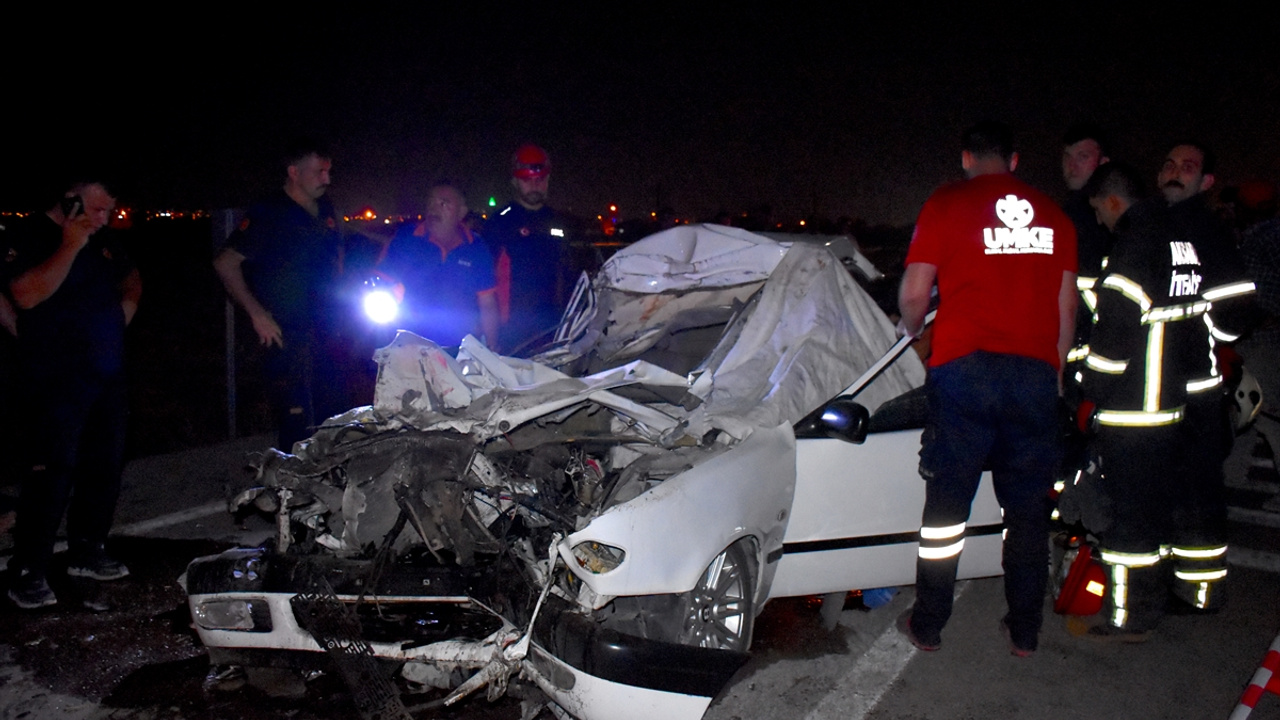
(718, 613)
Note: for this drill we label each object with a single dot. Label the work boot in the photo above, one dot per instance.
(30, 591)
(904, 627)
(1023, 650)
(93, 562)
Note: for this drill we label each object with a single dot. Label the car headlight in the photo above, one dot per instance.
(249, 614)
(597, 558)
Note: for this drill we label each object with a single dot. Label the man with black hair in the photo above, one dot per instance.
(75, 292)
(529, 242)
(1085, 148)
(1184, 180)
(291, 248)
(1003, 257)
(1150, 324)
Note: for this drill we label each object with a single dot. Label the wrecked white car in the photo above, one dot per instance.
(723, 419)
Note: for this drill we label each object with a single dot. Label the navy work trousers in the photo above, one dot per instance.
(997, 411)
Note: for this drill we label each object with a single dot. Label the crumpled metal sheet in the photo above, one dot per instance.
(806, 331)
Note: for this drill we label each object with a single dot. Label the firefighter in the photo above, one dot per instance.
(1199, 545)
(1149, 320)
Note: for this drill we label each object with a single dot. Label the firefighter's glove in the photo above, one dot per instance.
(1086, 416)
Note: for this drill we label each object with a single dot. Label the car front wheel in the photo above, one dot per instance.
(720, 610)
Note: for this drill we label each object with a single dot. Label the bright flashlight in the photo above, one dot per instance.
(380, 306)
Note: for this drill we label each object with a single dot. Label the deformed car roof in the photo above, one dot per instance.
(725, 329)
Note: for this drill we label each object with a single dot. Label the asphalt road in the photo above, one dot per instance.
(139, 660)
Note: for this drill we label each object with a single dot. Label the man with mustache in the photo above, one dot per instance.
(1200, 556)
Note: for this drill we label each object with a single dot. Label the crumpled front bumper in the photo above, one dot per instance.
(590, 671)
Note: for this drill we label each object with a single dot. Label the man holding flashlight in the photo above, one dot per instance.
(443, 276)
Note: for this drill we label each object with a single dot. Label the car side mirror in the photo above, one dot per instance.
(840, 419)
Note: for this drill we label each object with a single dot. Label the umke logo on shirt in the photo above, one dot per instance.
(1017, 237)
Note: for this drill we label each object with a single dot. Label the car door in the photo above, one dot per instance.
(855, 519)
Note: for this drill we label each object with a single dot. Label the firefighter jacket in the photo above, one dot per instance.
(1223, 282)
(1093, 244)
(1149, 322)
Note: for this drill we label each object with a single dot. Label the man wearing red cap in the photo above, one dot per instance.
(528, 240)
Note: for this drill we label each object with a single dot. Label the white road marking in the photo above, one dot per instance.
(1258, 486)
(859, 691)
(1254, 559)
(1254, 517)
(145, 526)
(177, 518)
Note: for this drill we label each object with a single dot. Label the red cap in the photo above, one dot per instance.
(530, 162)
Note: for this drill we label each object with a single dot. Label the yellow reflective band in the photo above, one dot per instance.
(1059, 485)
(1090, 301)
(1078, 353)
(1139, 418)
(1200, 575)
(1200, 553)
(1232, 290)
(1093, 587)
(1202, 596)
(1085, 283)
(1195, 386)
(1124, 559)
(1129, 289)
(941, 533)
(1106, 261)
(1079, 377)
(1053, 515)
(1155, 363)
(1213, 356)
(1119, 594)
(1104, 365)
(1223, 336)
(1175, 312)
(942, 553)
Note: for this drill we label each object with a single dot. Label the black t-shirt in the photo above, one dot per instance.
(80, 327)
(535, 241)
(291, 260)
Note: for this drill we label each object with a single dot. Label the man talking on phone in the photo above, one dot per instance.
(75, 292)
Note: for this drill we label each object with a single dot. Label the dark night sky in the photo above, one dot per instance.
(857, 114)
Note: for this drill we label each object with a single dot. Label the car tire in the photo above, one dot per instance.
(719, 612)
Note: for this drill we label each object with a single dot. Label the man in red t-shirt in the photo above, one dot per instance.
(1003, 257)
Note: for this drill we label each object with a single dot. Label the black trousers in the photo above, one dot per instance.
(76, 437)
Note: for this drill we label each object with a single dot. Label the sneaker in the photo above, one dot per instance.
(1014, 649)
(904, 627)
(1111, 633)
(95, 563)
(30, 592)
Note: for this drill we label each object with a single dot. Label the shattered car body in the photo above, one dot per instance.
(719, 422)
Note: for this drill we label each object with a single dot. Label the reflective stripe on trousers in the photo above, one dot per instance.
(1199, 575)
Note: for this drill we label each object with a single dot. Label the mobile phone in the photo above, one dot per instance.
(72, 206)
